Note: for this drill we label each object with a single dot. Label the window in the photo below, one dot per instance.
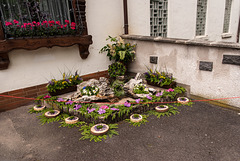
(158, 17)
(29, 18)
(201, 17)
(226, 23)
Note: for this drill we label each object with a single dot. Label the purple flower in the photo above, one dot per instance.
(77, 107)
(149, 97)
(79, 78)
(138, 100)
(114, 109)
(90, 110)
(159, 94)
(127, 104)
(60, 100)
(69, 102)
(101, 111)
(51, 83)
(67, 80)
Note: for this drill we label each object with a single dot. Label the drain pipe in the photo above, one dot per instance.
(238, 30)
(125, 8)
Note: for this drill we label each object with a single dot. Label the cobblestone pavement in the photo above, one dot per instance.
(203, 132)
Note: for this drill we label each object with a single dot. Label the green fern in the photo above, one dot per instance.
(63, 124)
(144, 120)
(172, 111)
(190, 103)
(44, 119)
(88, 135)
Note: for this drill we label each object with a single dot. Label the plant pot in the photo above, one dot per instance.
(133, 119)
(39, 108)
(182, 100)
(172, 85)
(101, 131)
(63, 91)
(50, 115)
(73, 121)
(165, 108)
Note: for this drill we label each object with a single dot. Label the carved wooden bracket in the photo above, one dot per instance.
(4, 61)
(83, 51)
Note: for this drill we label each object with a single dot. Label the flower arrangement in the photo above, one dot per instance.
(140, 89)
(66, 82)
(159, 78)
(119, 50)
(45, 28)
(116, 69)
(89, 90)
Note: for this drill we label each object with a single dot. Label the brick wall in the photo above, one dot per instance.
(7, 103)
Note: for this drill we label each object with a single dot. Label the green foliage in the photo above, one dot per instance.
(172, 111)
(190, 103)
(44, 119)
(39, 99)
(119, 50)
(67, 81)
(118, 88)
(86, 132)
(63, 123)
(116, 69)
(140, 89)
(144, 120)
(161, 78)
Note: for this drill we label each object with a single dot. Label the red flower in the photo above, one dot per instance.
(15, 21)
(73, 24)
(73, 27)
(67, 21)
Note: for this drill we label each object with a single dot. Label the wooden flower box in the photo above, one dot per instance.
(63, 91)
(172, 85)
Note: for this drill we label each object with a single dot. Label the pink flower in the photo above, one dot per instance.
(47, 96)
(65, 25)
(73, 24)
(170, 90)
(8, 23)
(38, 23)
(45, 22)
(73, 27)
(104, 107)
(149, 97)
(159, 94)
(34, 22)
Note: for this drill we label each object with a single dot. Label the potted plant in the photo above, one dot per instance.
(160, 79)
(162, 108)
(119, 51)
(118, 88)
(136, 118)
(67, 84)
(39, 107)
(52, 113)
(71, 120)
(99, 129)
(183, 100)
(116, 69)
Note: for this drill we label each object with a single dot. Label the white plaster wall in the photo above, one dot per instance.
(182, 18)
(139, 17)
(183, 62)
(30, 68)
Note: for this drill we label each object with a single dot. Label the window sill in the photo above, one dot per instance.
(202, 37)
(226, 35)
(34, 43)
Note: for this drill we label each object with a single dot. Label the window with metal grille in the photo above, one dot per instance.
(42, 18)
(201, 17)
(158, 17)
(228, 5)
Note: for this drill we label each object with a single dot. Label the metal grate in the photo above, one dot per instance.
(201, 17)
(226, 23)
(158, 17)
(27, 18)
